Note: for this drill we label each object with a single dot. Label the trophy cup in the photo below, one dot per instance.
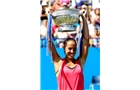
(65, 19)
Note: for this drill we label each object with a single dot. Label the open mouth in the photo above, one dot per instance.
(71, 54)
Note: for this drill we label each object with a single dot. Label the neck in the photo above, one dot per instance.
(69, 60)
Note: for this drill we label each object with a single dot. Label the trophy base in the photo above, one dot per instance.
(66, 29)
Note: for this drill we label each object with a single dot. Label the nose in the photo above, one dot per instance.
(72, 51)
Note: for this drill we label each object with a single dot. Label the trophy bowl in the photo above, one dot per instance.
(65, 19)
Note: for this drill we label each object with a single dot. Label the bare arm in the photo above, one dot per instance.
(53, 52)
(85, 43)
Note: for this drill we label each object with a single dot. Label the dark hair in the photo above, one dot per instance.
(69, 39)
(96, 29)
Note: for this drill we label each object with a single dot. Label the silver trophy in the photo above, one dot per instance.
(65, 19)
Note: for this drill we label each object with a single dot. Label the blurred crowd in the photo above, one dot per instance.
(89, 8)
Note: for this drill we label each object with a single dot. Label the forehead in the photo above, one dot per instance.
(71, 43)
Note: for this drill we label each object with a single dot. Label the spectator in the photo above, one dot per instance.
(91, 30)
(61, 44)
(43, 33)
(77, 4)
(43, 13)
(56, 5)
(65, 1)
(54, 28)
(64, 5)
(92, 14)
(91, 43)
(45, 9)
(96, 19)
(99, 43)
(95, 36)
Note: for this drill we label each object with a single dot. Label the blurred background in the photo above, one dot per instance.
(91, 10)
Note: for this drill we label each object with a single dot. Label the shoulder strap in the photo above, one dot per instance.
(59, 70)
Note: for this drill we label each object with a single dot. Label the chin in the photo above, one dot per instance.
(71, 57)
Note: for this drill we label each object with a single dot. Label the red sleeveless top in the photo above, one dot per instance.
(70, 78)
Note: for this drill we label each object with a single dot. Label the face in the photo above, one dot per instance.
(50, 9)
(61, 45)
(84, 8)
(44, 22)
(70, 49)
(97, 12)
(96, 31)
(90, 42)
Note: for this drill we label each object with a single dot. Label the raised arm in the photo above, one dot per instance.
(85, 43)
(53, 52)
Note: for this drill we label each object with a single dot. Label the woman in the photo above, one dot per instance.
(56, 5)
(69, 71)
(45, 9)
(96, 19)
(95, 35)
(43, 13)
(43, 33)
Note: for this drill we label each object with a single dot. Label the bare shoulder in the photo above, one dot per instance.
(81, 61)
(57, 65)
